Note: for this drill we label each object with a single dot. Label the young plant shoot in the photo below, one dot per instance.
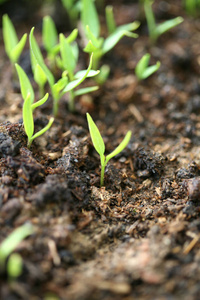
(91, 27)
(192, 7)
(50, 39)
(29, 106)
(156, 30)
(14, 264)
(99, 145)
(69, 81)
(142, 70)
(13, 46)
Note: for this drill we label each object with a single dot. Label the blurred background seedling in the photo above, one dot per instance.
(13, 46)
(94, 42)
(69, 81)
(156, 30)
(192, 7)
(143, 70)
(9, 244)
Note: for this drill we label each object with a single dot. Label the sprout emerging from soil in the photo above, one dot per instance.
(142, 70)
(156, 30)
(14, 264)
(13, 46)
(29, 106)
(99, 145)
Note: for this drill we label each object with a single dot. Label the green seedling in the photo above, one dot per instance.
(14, 264)
(91, 27)
(142, 70)
(29, 106)
(156, 30)
(192, 7)
(50, 39)
(69, 81)
(99, 145)
(13, 46)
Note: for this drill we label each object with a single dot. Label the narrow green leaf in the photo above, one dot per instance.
(13, 240)
(9, 34)
(39, 59)
(116, 36)
(110, 20)
(40, 102)
(86, 90)
(17, 50)
(89, 16)
(120, 148)
(28, 117)
(82, 73)
(42, 131)
(39, 75)
(67, 56)
(73, 35)
(150, 70)
(95, 136)
(26, 87)
(167, 25)
(129, 26)
(49, 33)
(150, 19)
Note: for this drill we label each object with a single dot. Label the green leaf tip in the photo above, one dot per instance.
(96, 137)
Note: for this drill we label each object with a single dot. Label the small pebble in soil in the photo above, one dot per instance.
(193, 189)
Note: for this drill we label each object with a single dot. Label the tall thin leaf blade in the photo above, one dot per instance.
(110, 20)
(28, 117)
(39, 59)
(26, 87)
(89, 16)
(9, 34)
(95, 136)
(67, 55)
(121, 146)
(17, 50)
(49, 33)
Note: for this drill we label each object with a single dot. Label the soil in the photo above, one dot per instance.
(139, 236)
